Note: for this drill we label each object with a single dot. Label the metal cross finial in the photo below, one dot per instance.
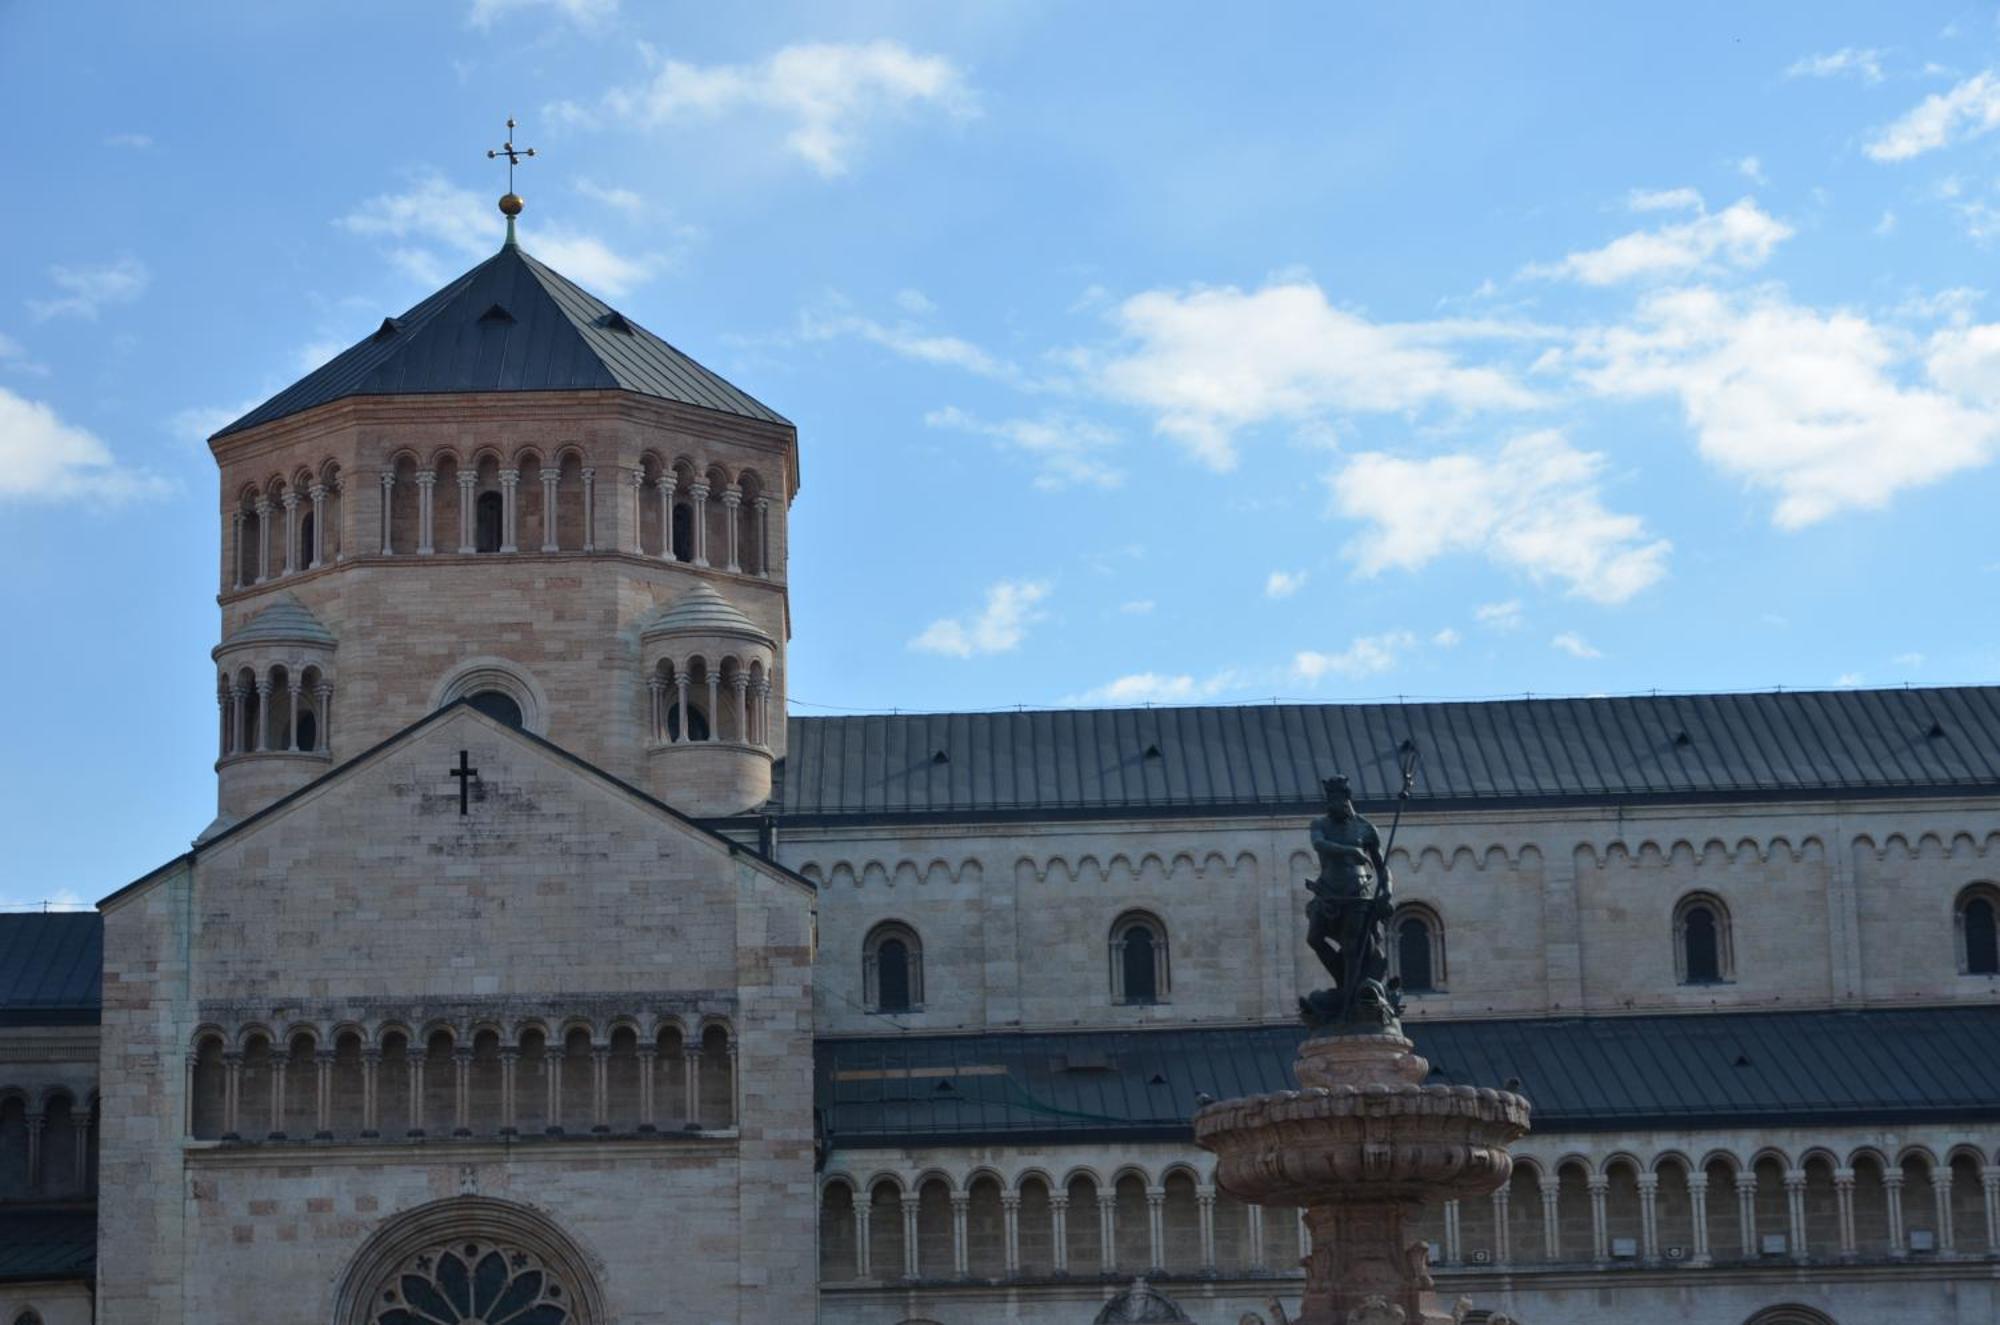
(513, 154)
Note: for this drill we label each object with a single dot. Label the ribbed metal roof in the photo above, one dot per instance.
(51, 966)
(286, 620)
(47, 1245)
(1546, 750)
(1581, 1074)
(510, 324)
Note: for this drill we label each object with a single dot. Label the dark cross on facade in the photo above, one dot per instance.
(464, 773)
(508, 150)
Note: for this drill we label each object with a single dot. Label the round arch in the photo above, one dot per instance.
(478, 1225)
(476, 676)
(1790, 1314)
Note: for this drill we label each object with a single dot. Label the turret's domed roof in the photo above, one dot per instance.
(1142, 1302)
(702, 611)
(285, 621)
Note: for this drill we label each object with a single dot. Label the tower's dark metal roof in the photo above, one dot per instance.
(1746, 1069)
(51, 966)
(510, 324)
(1545, 751)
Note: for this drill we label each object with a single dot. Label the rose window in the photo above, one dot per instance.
(473, 1283)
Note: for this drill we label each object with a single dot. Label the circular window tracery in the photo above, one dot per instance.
(473, 1283)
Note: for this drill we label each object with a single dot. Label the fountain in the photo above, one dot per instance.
(1363, 1142)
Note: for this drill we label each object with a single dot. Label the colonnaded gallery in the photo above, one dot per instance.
(538, 969)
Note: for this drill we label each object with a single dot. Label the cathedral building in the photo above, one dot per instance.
(537, 970)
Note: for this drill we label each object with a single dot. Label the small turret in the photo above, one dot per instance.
(708, 678)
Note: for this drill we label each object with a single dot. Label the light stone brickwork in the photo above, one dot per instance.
(371, 892)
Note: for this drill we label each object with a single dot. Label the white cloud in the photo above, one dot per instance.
(827, 93)
(314, 353)
(1752, 169)
(1447, 638)
(1665, 200)
(909, 342)
(1575, 645)
(1908, 660)
(1848, 680)
(1499, 616)
(87, 289)
(1000, 626)
(1065, 448)
(592, 263)
(619, 199)
(1208, 362)
(1284, 583)
(1887, 225)
(44, 459)
(16, 359)
(1742, 235)
(1533, 505)
(1863, 64)
(1155, 688)
(584, 13)
(1813, 406)
(1965, 111)
(137, 142)
(1138, 607)
(1368, 655)
(915, 301)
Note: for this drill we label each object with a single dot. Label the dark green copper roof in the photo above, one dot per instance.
(510, 324)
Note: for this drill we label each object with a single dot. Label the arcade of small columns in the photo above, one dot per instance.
(48, 1144)
(252, 725)
(254, 510)
(749, 710)
(463, 1081)
(1578, 1212)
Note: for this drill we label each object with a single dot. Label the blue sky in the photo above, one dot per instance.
(1137, 355)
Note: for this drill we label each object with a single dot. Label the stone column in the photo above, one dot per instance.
(1843, 1195)
(294, 690)
(1059, 1230)
(691, 1054)
(667, 485)
(263, 539)
(589, 509)
(371, 1103)
(1453, 1251)
(323, 1060)
(1253, 1219)
(910, 1200)
(649, 1058)
(461, 1090)
(388, 477)
(1107, 1228)
(740, 683)
(324, 692)
(681, 700)
(1746, 1210)
(732, 501)
(510, 1066)
(656, 727)
(1600, 1245)
(222, 704)
(235, 576)
(510, 480)
(232, 1095)
(699, 491)
(637, 478)
(318, 495)
(1892, 1194)
(467, 481)
(1795, 1207)
(762, 506)
(1649, 1220)
(600, 1093)
(426, 512)
(714, 702)
(550, 478)
(1548, 1188)
(961, 1264)
(763, 693)
(1947, 1240)
(1698, 1200)
(280, 1065)
(1502, 1235)
(414, 1055)
(1156, 1202)
(36, 1121)
(861, 1204)
(1010, 1218)
(291, 501)
(261, 728)
(1989, 1182)
(1204, 1202)
(552, 1059)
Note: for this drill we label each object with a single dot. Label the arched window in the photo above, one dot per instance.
(486, 519)
(28, 1317)
(1978, 925)
(892, 969)
(1702, 950)
(1139, 967)
(697, 721)
(499, 706)
(305, 559)
(1417, 950)
(683, 531)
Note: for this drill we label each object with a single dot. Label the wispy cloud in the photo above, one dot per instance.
(16, 360)
(1848, 61)
(612, 196)
(1499, 616)
(907, 340)
(1137, 607)
(1533, 505)
(1159, 688)
(44, 459)
(1208, 363)
(1284, 583)
(1575, 645)
(584, 13)
(1368, 655)
(1066, 449)
(1967, 110)
(827, 94)
(998, 627)
(85, 290)
(1447, 638)
(1742, 236)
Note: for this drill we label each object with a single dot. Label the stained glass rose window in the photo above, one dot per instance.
(472, 1283)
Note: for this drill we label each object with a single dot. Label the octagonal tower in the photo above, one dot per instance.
(493, 497)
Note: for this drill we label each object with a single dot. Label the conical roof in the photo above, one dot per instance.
(510, 324)
(285, 621)
(1142, 1302)
(702, 611)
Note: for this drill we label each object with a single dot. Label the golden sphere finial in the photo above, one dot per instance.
(511, 204)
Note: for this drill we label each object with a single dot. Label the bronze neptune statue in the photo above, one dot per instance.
(1347, 917)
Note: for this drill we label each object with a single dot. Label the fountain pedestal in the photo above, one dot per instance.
(1361, 1145)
